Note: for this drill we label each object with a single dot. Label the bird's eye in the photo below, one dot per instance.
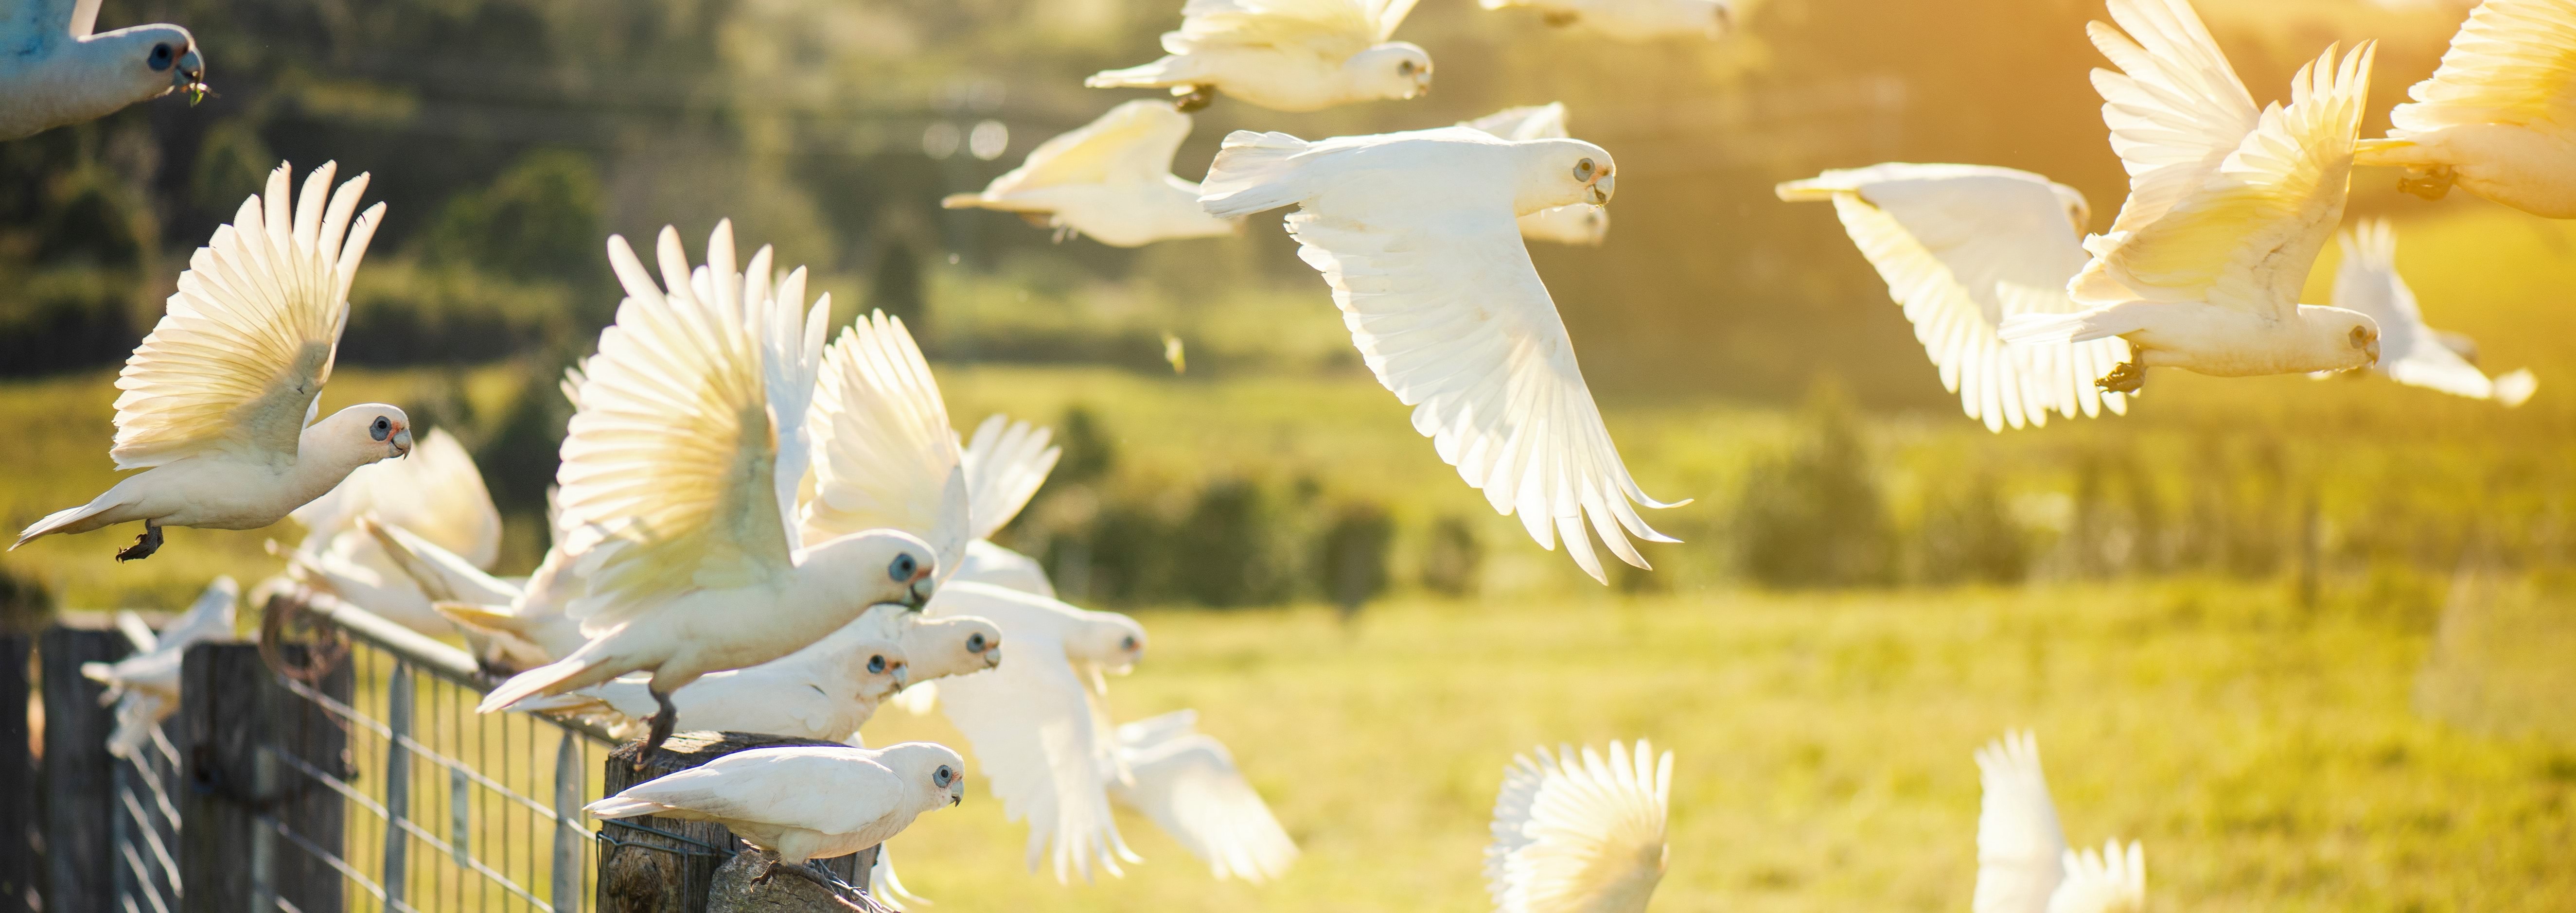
(903, 567)
(1404, 68)
(383, 427)
(876, 665)
(163, 57)
(1127, 643)
(944, 776)
(2360, 337)
(1583, 170)
(975, 642)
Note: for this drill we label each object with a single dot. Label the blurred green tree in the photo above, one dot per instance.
(1814, 516)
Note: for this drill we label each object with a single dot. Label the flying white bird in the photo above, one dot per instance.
(2228, 207)
(145, 686)
(1580, 223)
(2023, 865)
(2499, 117)
(806, 801)
(509, 629)
(1188, 784)
(1416, 234)
(669, 501)
(437, 494)
(1111, 180)
(56, 72)
(2414, 354)
(1962, 247)
(219, 401)
(1580, 835)
(1285, 55)
(1632, 20)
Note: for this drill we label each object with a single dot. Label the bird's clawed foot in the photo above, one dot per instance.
(2126, 377)
(660, 730)
(2431, 184)
(144, 545)
(1195, 99)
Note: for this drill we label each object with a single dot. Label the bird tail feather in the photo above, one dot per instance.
(1809, 190)
(1253, 172)
(1162, 72)
(622, 807)
(66, 520)
(2515, 388)
(549, 679)
(961, 201)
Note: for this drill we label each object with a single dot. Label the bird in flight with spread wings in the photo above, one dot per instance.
(58, 71)
(1285, 55)
(2499, 118)
(2023, 865)
(1578, 832)
(2411, 352)
(1111, 180)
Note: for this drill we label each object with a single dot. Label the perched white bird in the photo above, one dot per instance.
(1580, 223)
(825, 691)
(1188, 784)
(1285, 55)
(2499, 117)
(1416, 234)
(219, 401)
(437, 494)
(1111, 180)
(2023, 865)
(1038, 722)
(56, 72)
(669, 501)
(804, 802)
(1962, 247)
(1580, 835)
(2228, 207)
(1632, 20)
(145, 686)
(2412, 353)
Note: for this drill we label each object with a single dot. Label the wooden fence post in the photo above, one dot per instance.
(257, 810)
(669, 868)
(80, 784)
(18, 867)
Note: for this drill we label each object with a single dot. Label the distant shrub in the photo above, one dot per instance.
(521, 453)
(26, 605)
(1089, 453)
(1815, 516)
(1351, 556)
(540, 220)
(895, 287)
(1967, 535)
(1451, 557)
(1226, 552)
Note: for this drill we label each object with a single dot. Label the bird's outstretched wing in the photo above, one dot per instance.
(2110, 881)
(238, 360)
(1037, 734)
(2513, 62)
(1579, 833)
(1527, 122)
(1133, 144)
(886, 457)
(666, 484)
(436, 494)
(791, 344)
(1962, 247)
(1006, 462)
(2018, 840)
(1332, 29)
(2245, 234)
(2367, 281)
(2175, 108)
(1188, 784)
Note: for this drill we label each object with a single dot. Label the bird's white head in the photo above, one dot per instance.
(877, 668)
(878, 565)
(1108, 640)
(150, 60)
(357, 436)
(941, 647)
(1396, 69)
(2339, 339)
(2079, 213)
(1561, 172)
(937, 772)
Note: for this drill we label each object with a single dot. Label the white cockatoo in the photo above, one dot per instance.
(1417, 235)
(2023, 865)
(1580, 833)
(56, 72)
(437, 495)
(2411, 353)
(2499, 117)
(825, 691)
(1962, 247)
(805, 801)
(669, 503)
(219, 401)
(1110, 180)
(145, 686)
(1582, 224)
(1285, 55)
(1632, 20)
(2228, 207)
(1188, 784)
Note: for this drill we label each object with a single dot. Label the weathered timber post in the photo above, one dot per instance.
(661, 865)
(260, 753)
(18, 868)
(79, 783)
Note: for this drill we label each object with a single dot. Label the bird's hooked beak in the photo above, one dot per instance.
(902, 677)
(922, 585)
(190, 76)
(402, 441)
(1603, 186)
(2374, 350)
(992, 657)
(957, 793)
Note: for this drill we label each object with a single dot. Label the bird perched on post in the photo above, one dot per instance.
(56, 72)
(2499, 118)
(1285, 55)
(2412, 353)
(1110, 180)
(218, 403)
(1580, 834)
(145, 686)
(1583, 224)
(2023, 865)
(1417, 235)
(805, 801)
(2228, 207)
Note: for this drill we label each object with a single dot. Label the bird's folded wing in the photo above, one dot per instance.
(1330, 29)
(1571, 833)
(1449, 312)
(1006, 462)
(1528, 122)
(2513, 62)
(2018, 840)
(2111, 881)
(2246, 237)
(884, 454)
(667, 466)
(238, 360)
(2176, 108)
(818, 788)
(1132, 144)
(436, 494)
(1031, 722)
(791, 343)
(1188, 784)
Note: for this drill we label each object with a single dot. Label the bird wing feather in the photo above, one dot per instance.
(1331, 29)
(1006, 462)
(822, 788)
(2018, 840)
(1579, 833)
(887, 458)
(1189, 785)
(1527, 122)
(436, 494)
(2367, 281)
(2176, 109)
(1037, 738)
(2513, 62)
(2111, 881)
(1132, 144)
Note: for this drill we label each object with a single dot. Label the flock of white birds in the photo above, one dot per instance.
(759, 528)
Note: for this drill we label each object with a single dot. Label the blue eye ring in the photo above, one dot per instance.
(944, 776)
(876, 665)
(382, 428)
(903, 568)
(163, 56)
(1127, 643)
(975, 642)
